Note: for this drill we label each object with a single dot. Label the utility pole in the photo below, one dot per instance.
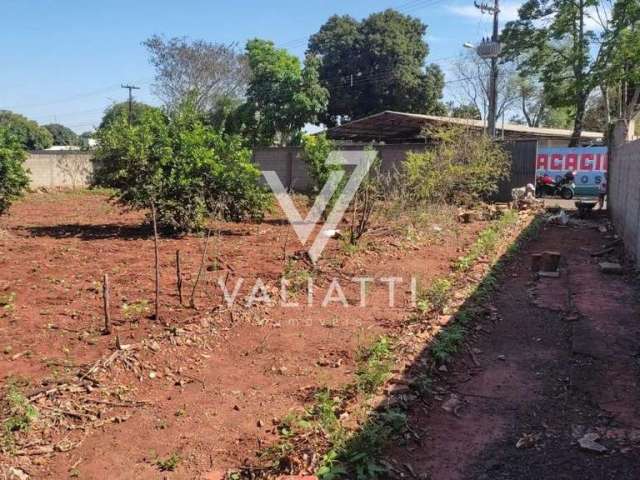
(492, 50)
(130, 88)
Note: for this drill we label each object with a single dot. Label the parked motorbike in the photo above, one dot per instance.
(547, 187)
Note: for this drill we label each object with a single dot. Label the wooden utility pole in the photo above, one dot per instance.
(494, 53)
(130, 88)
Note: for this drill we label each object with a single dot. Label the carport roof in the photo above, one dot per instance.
(394, 127)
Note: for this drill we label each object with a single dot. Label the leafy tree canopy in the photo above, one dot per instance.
(376, 64)
(552, 39)
(62, 135)
(283, 95)
(13, 178)
(199, 71)
(121, 111)
(27, 132)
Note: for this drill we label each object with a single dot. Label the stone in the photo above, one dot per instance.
(610, 268)
(590, 442)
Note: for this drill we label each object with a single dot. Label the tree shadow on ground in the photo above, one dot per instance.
(109, 231)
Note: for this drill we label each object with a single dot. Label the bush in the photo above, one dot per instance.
(13, 177)
(185, 168)
(463, 166)
(315, 152)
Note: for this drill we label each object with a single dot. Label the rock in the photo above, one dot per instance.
(590, 442)
(16, 473)
(152, 375)
(502, 358)
(549, 274)
(527, 440)
(610, 268)
(443, 368)
(155, 346)
(260, 423)
(236, 408)
(452, 404)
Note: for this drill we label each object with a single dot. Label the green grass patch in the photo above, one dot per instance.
(436, 297)
(169, 464)
(374, 365)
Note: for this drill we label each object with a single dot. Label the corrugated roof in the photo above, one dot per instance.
(401, 126)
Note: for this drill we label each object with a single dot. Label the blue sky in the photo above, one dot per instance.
(64, 60)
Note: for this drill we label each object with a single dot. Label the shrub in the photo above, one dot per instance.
(185, 168)
(315, 152)
(13, 177)
(462, 166)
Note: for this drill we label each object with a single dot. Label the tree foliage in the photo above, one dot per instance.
(62, 135)
(27, 132)
(13, 177)
(119, 111)
(553, 39)
(283, 95)
(621, 72)
(462, 166)
(376, 64)
(197, 70)
(183, 167)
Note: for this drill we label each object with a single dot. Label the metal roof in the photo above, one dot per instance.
(396, 127)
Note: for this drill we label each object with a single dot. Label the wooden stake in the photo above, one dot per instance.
(157, 254)
(105, 298)
(202, 262)
(179, 276)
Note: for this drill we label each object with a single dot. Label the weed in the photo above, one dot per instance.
(374, 366)
(297, 278)
(435, 298)
(7, 300)
(169, 464)
(447, 343)
(136, 310)
(422, 385)
(20, 414)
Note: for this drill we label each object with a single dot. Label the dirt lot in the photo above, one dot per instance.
(549, 386)
(207, 387)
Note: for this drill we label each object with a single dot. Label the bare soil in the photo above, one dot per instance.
(209, 383)
(557, 360)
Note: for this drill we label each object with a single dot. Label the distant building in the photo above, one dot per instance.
(398, 127)
(61, 148)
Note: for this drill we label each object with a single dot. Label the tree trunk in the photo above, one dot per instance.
(578, 125)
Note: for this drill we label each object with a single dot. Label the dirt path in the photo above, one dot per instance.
(559, 360)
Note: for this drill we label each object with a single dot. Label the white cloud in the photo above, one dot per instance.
(508, 11)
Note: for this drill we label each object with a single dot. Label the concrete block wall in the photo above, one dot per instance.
(60, 169)
(624, 194)
(293, 171)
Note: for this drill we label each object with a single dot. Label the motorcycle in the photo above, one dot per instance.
(547, 187)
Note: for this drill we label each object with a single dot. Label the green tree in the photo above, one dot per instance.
(552, 39)
(376, 64)
(62, 135)
(283, 95)
(621, 72)
(465, 111)
(183, 167)
(121, 110)
(27, 132)
(13, 177)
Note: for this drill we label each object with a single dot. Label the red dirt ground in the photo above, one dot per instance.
(220, 375)
(559, 359)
